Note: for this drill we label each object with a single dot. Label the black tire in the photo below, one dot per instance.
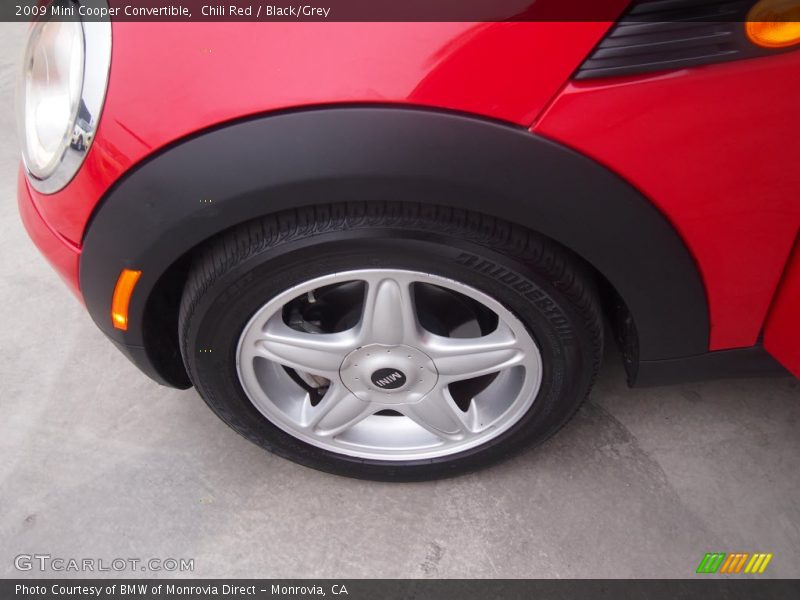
(544, 285)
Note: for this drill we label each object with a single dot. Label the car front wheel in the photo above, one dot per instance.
(390, 341)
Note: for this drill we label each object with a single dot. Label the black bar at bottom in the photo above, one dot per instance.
(400, 589)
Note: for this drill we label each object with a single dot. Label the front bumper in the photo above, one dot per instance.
(63, 255)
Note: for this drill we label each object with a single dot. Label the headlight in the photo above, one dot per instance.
(52, 79)
(59, 97)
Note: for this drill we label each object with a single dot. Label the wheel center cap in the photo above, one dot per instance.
(388, 374)
(388, 379)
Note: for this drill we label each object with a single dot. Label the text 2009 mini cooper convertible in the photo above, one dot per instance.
(391, 250)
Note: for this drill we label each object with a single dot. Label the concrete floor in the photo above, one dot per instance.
(97, 461)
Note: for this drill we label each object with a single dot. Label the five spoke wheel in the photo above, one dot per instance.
(403, 365)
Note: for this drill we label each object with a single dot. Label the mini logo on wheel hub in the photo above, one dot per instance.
(388, 379)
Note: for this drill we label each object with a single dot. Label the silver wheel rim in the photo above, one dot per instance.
(387, 387)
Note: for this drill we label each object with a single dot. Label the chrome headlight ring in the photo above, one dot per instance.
(60, 97)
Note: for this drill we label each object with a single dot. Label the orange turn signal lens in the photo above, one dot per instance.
(774, 23)
(122, 297)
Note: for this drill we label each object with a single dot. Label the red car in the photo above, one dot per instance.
(394, 250)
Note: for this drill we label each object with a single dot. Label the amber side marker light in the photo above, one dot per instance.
(122, 297)
(774, 23)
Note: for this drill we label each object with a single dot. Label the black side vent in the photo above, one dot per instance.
(655, 35)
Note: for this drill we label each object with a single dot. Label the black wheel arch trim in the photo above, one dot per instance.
(192, 190)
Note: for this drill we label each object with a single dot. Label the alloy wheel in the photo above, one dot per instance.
(389, 364)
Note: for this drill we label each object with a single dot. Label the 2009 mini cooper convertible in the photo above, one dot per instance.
(391, 250)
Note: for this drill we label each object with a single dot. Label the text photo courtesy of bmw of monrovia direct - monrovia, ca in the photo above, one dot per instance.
(96, 591)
